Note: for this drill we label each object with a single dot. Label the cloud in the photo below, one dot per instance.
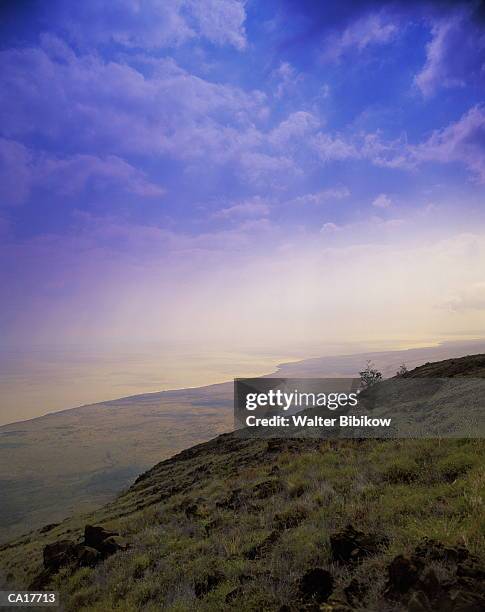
(334, 147)
(221, 22)
(71, 175)
(22, 170)
(297, 125)
(355, 26)
(255, 207)
(115, 109)
(462, 141)
(382, 201)
(370, 146)
(329, 228)
(15, 172)
(288, 79)
(470, 298)
(372, 29)
(258, 168)
(154, 23)
(445, 66)
(321, 197)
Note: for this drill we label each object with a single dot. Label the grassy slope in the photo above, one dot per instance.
(233, 524)
(88, 454)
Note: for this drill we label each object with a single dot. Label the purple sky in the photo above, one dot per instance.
(226, 171)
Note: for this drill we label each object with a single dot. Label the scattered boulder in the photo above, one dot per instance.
(316, 585)
(112, 545)
(98, 544)
(436, 551)
(60, 554)
(87, 556)
(415, 585)
(403, 574)
(49, 527)
(94, 535)
(191, 510)
(105, 542)
(351, 546)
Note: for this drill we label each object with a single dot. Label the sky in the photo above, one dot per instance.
(230, 173)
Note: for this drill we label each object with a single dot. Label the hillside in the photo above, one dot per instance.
(77, 460)
(279, 525)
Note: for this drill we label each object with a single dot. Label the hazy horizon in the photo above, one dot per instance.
(37, 382)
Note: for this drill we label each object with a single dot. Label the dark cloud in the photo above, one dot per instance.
(328, 15)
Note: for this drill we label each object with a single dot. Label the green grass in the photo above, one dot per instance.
(404, 489)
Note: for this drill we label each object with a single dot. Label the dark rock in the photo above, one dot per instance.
(87, 556)
(415, 585)
(59, 554)
(436, 551)
(317, 585)
(430, 584)
(191, 510)
(49, 527)
(351, 545)
(467, 601)
(403, 574)
(95, 535)
(111, 545)
(471, 569)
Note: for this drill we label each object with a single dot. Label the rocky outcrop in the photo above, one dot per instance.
(98, 544)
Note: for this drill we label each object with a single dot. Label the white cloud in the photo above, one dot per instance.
(329, 227)
(321, 197)
(255, 207)
(297, 125)
(453, 55)
(469, 298)
(22, 170)
(155, 23)
(288, 79)
(15, 172)
(115, 109)
(373, 29)
(382, 201)
(71, 175)
(220, 21)
(462, 141)
(337, 147)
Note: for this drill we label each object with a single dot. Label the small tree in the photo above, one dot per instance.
(369, 376)
(402, 370)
